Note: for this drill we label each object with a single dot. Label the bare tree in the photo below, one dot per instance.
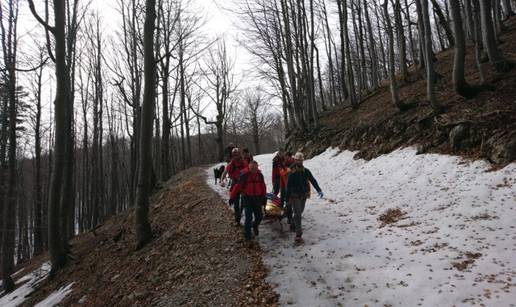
(144, 187)
(461, 86)
(422, 6)
(9, 35)
(38, 187)
(395, 96)
(372, 48)
(219, 77)
(256, 115)
(496, 57)
(400, 35)
(443, 22)
(55, 223)
(346, 53)
(478, 39)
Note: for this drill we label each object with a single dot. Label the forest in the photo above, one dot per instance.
(98, 112)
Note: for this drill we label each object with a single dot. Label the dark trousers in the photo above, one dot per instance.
(283, 197)
(237, 206)
(252, 207)
(287, 208)
(298, 206)
(276, 185)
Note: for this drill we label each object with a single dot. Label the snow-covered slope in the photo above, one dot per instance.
(27, 285)
(458, 216)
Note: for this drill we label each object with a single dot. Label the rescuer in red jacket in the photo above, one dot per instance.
(253, 189)
(277, 163)
(233, 170)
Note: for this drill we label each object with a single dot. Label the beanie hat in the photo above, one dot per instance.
(299, 156)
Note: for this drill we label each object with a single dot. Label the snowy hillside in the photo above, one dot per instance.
(452, 241)
(27, 285)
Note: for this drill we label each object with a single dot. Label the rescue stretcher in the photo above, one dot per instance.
(273, 207)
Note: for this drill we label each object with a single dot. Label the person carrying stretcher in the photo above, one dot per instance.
(233, 170)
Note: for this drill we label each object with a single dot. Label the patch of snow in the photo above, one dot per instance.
(456, 213)
(56, 297)
(25, 286)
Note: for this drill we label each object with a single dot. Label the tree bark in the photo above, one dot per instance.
(430, 74)
(400, 35)
(478, 39)
(372, 47)
(144, 188)
(443, 22)
(38, 193)
(395, 97)
(489, 40)
(509, 12)
(461, 86)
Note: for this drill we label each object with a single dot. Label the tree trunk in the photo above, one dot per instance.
(478, 39)
(380, 37)
(488, 37)
(508, 9)
(461, 86)
(443, 22)
(430, 74)
(343, 33)
(395, 97)
(8, 233)
(468, 16)
(38, 197)
(400, 35)
(372, 49)
(165, 135)
(411, 36)
(350, 77)
(144, 188)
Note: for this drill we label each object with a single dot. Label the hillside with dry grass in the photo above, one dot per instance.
(196, 258)
(480, 128)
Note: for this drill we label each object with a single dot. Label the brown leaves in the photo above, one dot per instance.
(391, 216)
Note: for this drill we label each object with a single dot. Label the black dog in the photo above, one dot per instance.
(218, 172)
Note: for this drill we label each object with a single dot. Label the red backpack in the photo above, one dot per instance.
(253, 184)
(235, 167)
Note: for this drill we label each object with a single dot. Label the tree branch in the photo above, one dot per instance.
(39, 19)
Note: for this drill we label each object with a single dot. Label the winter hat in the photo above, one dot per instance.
(235, 150)
(299, 156)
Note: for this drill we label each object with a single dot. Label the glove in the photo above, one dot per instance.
(320, 193)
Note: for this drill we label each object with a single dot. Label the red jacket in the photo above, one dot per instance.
(283, 173)
(252, 184)
(235, 167)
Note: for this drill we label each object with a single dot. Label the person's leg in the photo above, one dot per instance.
(237, 205)
(289, 212)
(296, 220)
(282, 197)
(298, 206)
(276, 185)
(258, 214)
(248, 210)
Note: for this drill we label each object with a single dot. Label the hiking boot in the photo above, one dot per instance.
(255, 229)
(249, 244)
(298, 238)
(237, 224)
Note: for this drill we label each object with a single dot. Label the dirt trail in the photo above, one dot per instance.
(197, 257)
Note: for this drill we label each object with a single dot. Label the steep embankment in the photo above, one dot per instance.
(483, 127)
(196, 258)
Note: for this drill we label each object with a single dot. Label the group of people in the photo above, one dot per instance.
(247, 190)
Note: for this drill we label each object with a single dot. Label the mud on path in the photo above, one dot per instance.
(197, 257)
